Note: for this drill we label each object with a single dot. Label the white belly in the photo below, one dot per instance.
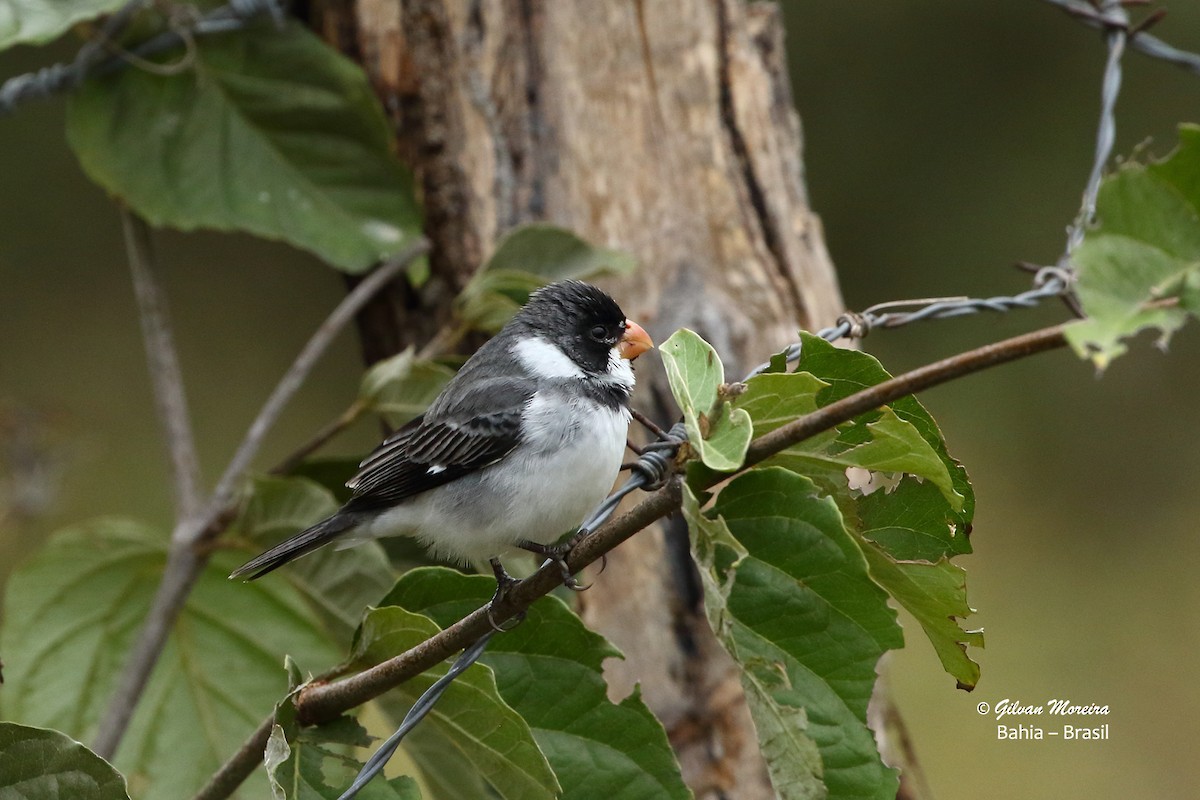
(564, 467)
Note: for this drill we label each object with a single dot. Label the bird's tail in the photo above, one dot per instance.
(302, 543)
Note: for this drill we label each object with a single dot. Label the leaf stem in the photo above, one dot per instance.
(321, 702)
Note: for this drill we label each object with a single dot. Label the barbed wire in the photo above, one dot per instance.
(1117, 33)
(1109, 16)
(101, 56)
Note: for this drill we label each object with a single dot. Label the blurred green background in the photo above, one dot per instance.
(944, 141)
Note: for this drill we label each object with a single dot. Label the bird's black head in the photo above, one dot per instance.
(583, 321)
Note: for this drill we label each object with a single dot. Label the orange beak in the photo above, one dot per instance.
(635, 341)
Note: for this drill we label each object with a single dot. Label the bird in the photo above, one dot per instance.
(522, 443)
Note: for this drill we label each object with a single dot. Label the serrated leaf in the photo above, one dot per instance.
(41, 764)
(525, 260)
(1145, 246)
(471, 713)
(270, 132)
(41, 21)
(806, 622)
(717, 431)
(936, 594)
(72, 613)
(401, 387)
(549, 669)
(337, 583)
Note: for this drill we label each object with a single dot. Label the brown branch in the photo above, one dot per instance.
(189, 554)
(321, 702)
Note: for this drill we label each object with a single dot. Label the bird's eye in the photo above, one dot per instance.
(599, 333)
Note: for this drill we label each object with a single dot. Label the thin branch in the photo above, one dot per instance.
(188, 556)
(300, 368)
(321, 702)
(320, 438)
(163, 361)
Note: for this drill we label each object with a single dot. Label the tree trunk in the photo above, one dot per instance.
(663, 128)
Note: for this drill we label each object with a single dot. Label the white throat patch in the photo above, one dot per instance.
(545, 360)
(620, 370)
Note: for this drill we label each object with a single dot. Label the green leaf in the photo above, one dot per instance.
(401, 387)
(936, 594)
(40, 21)
(270, 132)
(40, 764)
(808, 625)
(717, 431)
(336, 583)
(527, 259)
(74, 610)
(1144, 247)
(549, 669)
(910, 522)
(470, 714)
(554, 254)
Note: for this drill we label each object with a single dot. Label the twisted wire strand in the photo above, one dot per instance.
(1111, 15)
(95, 60)
(418, 712)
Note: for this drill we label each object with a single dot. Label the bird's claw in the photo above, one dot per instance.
(558, 555)
(504, 583)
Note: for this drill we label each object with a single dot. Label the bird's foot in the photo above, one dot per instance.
(557, 553)
(504, 583)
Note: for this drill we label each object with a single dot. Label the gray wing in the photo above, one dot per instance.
(456, 438)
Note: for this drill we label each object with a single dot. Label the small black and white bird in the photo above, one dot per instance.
(518, 448)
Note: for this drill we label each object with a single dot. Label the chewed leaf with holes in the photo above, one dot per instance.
(1144, 248)
(39, 21)
(471, 714)
(72, 613)
(549, 669)
(40, 764)
(269, 131)
(911, 521)
(800, 613)
(717, 431)
(848, 371)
